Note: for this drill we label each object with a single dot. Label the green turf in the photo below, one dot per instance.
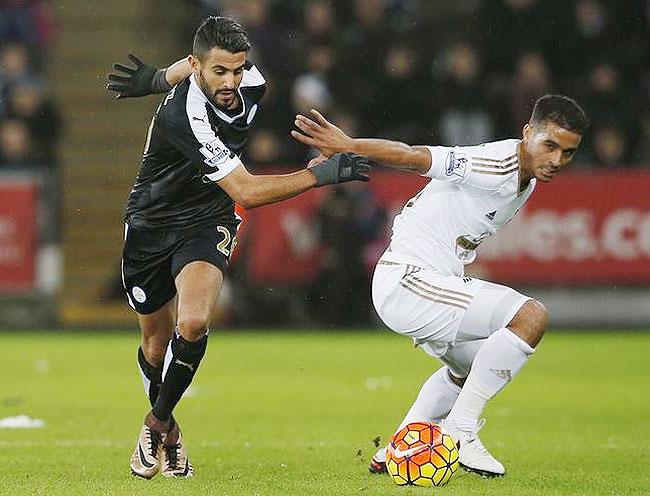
(295, 414)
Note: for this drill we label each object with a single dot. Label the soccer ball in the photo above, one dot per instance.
(422, 454)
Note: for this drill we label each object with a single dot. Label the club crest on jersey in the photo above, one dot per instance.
(456, 164)
(215, 153)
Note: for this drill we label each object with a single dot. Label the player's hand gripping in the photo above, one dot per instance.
(341, 168)
(321, 134)
(141, 80)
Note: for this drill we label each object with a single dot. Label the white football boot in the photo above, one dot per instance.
(473, 456)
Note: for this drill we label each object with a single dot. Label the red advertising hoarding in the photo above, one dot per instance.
(17, 235)
(583, 228)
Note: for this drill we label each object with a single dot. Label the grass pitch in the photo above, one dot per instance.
(296, 413)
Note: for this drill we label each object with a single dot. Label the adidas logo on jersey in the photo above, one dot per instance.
(491, 215)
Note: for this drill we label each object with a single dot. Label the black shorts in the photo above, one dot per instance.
(152, 258)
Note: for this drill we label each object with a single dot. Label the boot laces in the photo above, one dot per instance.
(155, 439)
(474, 439)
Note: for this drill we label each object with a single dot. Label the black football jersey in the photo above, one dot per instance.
(190, 146)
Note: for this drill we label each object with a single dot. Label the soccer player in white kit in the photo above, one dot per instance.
(482, 332)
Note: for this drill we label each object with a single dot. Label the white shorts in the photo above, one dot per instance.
(439, 311)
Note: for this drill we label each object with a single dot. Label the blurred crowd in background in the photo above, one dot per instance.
(458, 72)
(30, 123)
(425, 72)
(433, 72)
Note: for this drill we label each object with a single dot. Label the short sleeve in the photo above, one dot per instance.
(449, 163)
(196, 140)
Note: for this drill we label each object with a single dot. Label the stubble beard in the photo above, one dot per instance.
(209, 95)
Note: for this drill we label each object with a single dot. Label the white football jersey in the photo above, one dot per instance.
(474, 191)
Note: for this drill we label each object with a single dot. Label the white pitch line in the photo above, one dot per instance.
(104, 443)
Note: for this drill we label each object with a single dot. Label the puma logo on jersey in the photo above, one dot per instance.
(491, 215)
(188, 365)
(505, 374)
(197, 119)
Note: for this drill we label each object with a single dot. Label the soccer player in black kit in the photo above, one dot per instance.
(180, 223)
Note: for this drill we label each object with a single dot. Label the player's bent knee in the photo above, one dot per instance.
(530, 322)
(154, 347)
(193, 327)
(154, 352)
(538, 315)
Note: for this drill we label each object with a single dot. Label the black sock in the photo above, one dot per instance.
(153, 375)
(185, 360)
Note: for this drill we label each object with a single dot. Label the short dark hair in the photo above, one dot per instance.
(561, 110)
(221, 32)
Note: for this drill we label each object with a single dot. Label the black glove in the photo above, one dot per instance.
(136, 81)
(341, 168)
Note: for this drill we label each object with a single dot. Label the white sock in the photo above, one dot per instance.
(500, 358)
(435, 399)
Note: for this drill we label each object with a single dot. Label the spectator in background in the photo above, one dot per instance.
(17, 156)
(507, 26)
(29, 104)
(610, 147)
(29, 131)
(399, 96)
(464, 116)
(361, 49)
(631, 25)
(606, 93)
(16, 148)
(14, 68)
(26, 21)
(350, 220)
(531, 79)
(264, 148)
(593, 33)
(612, 104)
(318, 24)
(484, 86)
(270, 41)
(311, 89)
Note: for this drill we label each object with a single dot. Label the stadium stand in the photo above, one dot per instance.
(30, 128)
(463, 72)
(431, 72)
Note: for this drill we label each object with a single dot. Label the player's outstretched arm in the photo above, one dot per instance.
(144, 79)
(252, 191)
(322, 134)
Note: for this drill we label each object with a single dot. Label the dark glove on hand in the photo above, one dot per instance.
(341, 168)
(136, 81)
